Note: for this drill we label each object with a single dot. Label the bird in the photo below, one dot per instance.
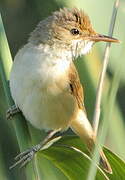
(44, 81)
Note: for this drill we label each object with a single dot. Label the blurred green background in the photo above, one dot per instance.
(20, 18)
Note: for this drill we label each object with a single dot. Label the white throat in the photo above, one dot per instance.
(81, 47)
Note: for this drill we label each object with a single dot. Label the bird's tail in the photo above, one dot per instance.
(83, 129)
(104, 163)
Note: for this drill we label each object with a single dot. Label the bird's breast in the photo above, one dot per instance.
(40, 87)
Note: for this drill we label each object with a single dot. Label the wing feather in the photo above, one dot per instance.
(76, 87)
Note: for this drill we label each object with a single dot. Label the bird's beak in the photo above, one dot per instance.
(99, 37)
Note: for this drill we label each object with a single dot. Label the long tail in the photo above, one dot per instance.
(83, 129)
(104, 163)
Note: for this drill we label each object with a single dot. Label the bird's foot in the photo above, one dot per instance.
(12, 111)
(24, 157)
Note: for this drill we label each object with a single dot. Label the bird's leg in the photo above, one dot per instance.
(12, 111)
(24, 157)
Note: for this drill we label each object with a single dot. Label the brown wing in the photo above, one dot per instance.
(76, 87)
(85, 130)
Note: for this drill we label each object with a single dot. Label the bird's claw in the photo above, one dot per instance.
(11, 112)
(23, 158)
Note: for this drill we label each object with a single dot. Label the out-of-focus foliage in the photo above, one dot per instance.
(19, 18)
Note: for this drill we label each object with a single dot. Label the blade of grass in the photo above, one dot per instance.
(3, 173)
(19, 124)
(103, 72)
(103, 132)
(118, 124)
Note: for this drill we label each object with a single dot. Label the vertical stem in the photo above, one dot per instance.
(103, 72)
(95, 159)
(19, 124)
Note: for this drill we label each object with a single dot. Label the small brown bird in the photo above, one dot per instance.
(45, 84)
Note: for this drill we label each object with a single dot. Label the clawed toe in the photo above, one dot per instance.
(23, 158)
(11, 112)
(8, 115)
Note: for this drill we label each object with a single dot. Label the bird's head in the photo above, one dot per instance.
(68, 29)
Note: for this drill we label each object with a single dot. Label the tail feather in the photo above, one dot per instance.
(104, 163)
(83, 129)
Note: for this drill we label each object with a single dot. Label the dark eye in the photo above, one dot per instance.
(74, 31)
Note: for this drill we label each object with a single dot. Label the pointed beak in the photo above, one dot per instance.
(99, 37)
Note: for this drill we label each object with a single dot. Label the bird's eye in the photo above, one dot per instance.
(74, 31)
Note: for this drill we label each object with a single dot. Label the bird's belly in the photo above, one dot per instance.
(49, 112)
(39, 85)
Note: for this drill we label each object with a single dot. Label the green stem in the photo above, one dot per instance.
(19, 123)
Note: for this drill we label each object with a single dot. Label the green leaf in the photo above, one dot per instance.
(68, 155)
(118, 166)
(46, 170)
(71, 162)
